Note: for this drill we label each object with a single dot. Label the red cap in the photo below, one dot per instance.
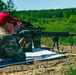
(6, 17)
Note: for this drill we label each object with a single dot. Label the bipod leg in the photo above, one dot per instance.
(55, 40)
(58, 46)
(53, 46)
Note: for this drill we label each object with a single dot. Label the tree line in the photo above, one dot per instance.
(34, 15)
(51, 13)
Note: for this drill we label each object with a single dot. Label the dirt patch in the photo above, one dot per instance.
(50, 67)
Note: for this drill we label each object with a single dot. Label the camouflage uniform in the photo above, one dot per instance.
(9, 46)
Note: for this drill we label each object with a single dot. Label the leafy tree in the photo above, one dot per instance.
(10, 5)
(2, 5)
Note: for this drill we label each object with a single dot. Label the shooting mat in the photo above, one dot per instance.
(36, 55)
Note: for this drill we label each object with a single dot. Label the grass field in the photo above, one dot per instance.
(57, 25)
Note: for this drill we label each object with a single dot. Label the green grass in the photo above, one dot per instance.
(71, 72)
(57, 25)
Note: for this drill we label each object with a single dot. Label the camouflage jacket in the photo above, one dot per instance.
(9, 45)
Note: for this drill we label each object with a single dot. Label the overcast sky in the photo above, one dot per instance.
(43, 4)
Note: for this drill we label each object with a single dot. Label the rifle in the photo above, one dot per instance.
(35, 33)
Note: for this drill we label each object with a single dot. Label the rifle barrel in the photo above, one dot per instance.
(55, 34)
(72, 34)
